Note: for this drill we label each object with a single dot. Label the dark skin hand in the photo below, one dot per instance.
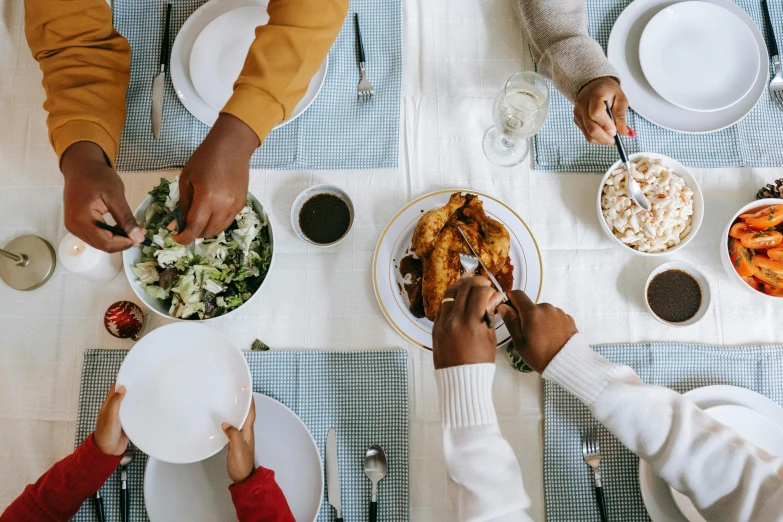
(460, 335)
(213, 184)
(539, 331)
(92, 189)
(241, 448)
(590, 111)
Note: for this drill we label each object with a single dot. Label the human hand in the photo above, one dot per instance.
(109, 436)
(539, 332)
(241, 447)
(213, 184)
(590, 111)
(460, 335)
(93, 188)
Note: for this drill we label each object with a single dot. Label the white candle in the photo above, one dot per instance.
(78, 257)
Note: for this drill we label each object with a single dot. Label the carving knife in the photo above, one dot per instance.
(333, 474)
(160, 80)
(489, 274)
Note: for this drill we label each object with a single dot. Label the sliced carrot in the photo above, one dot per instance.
(766, 218)
(773, 290)
(769, 271)
(754, 283)
(739, 230)
(740, 258)
(743, 217)
(776, 254)
(762, 240)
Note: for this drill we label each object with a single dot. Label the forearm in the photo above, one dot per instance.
(59, 493)
(86, 69)
(484, 475)
(260, 499)
(726, 477)
(561, 45)
(285, 55)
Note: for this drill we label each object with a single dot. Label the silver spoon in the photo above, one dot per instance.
(375, 469)
(634, 190)
(124, 504)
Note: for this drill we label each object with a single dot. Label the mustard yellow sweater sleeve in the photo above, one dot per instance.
(285, 55)
(86, 69)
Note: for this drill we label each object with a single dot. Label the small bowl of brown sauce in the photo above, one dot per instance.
(677, 294)
(322, 215)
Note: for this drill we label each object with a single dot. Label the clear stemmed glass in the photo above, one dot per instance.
(519, 112)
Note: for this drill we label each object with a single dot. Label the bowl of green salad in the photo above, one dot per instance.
(210, 278)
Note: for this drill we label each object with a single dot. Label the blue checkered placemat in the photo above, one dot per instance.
(756, 141)
(362, 394)
(568, 482)
(335, 132)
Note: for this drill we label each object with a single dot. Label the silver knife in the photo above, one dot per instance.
(160, 80)
(489, 274)
(333, 474)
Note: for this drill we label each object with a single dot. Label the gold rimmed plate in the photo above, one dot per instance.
(395, 243)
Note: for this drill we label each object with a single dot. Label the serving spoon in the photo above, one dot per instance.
(634, 190)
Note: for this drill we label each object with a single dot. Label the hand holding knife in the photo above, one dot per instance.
(159, 82)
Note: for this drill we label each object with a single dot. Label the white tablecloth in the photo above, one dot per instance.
(457, 55)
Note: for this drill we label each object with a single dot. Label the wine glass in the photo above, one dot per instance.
(519, 112)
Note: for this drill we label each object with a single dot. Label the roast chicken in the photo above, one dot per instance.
(438, 243)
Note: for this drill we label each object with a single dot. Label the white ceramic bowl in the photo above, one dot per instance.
(305, 195)
(134, 255)
(706, 293)
(724, 244)
(690, 181)
(183, 380)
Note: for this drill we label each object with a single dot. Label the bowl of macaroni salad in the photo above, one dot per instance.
(677, 205)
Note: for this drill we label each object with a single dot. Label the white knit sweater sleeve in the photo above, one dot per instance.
(727, 478)
(484, 476)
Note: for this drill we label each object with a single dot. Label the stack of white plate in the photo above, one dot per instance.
(209, 53)
(695, 66)
(753, 416)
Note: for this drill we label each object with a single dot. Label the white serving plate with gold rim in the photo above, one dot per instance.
(394, 245)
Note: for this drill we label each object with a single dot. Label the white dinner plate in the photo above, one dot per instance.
(656, 493)
(623, 52)
(395, 242)
(199, 492)
(183, 381)
(751, 426)
(699, 56)
(179, 65)
(219, 53)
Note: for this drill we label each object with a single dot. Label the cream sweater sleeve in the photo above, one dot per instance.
(561, 45)
(727, 478)
(484, 476)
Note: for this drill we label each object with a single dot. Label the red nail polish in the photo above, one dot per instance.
(631, 132)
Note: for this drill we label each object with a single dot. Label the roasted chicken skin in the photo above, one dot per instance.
(440, 255)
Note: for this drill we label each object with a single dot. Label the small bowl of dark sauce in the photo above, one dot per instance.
(677, 294)
(322, 215)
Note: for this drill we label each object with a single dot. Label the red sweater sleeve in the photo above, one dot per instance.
(61, 491)
(260, 499)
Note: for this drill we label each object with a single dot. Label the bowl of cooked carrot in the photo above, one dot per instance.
(752, 249)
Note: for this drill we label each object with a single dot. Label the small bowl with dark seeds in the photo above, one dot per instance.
(322, 215)
(677, 294)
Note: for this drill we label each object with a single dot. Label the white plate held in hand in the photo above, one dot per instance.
(699, 56)
(183, 381)
(199, 492)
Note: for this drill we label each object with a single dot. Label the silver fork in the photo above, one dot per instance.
(591, 452)
(365, 90)
(776, 85)
(470, 263)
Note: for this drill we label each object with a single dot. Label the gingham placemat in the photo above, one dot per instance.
(568, 482)
(362, 394)
(335, 132)
(756, 141)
